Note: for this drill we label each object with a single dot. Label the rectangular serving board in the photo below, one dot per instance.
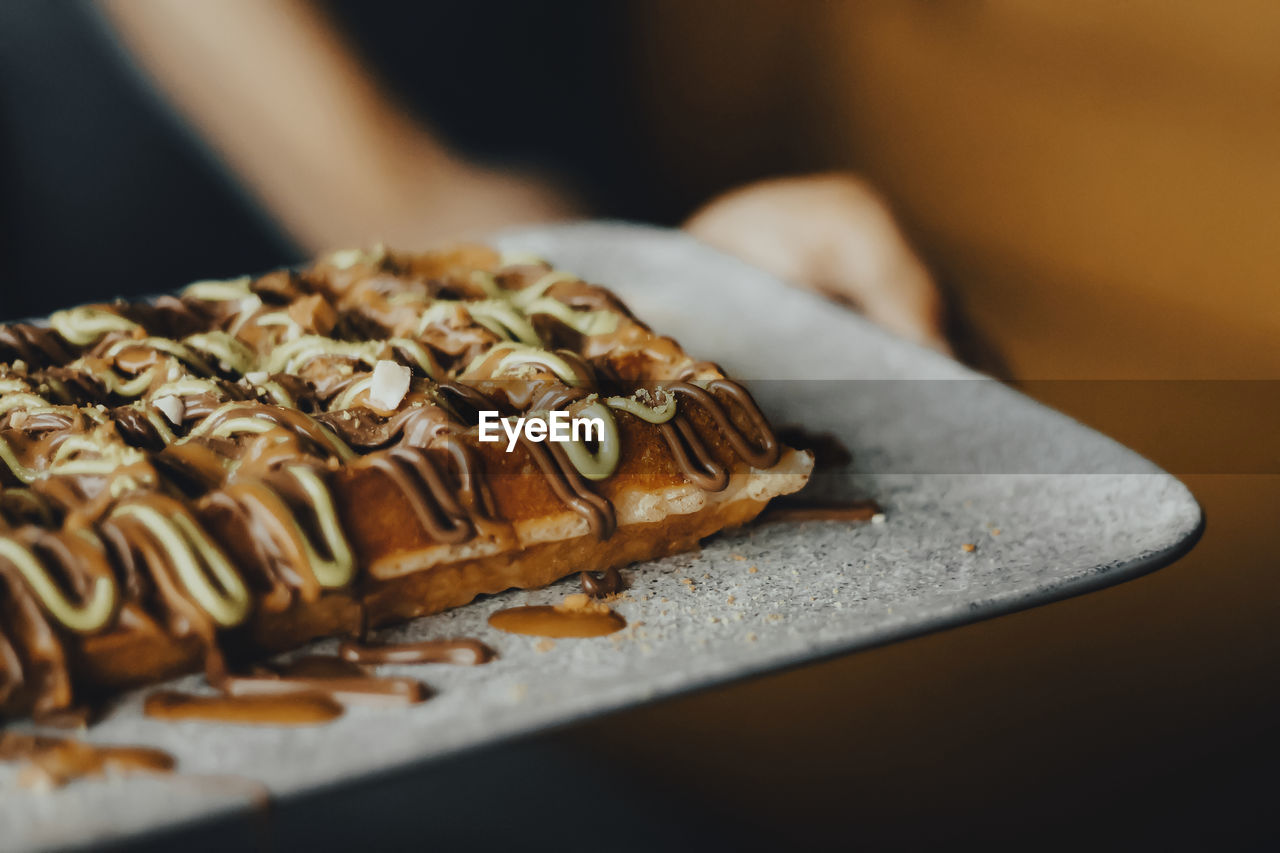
(950, 457)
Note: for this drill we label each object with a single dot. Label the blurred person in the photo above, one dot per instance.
(350, 124)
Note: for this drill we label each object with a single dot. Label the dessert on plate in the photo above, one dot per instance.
(254, 463)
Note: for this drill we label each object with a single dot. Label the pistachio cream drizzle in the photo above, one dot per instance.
(84, 617)
(184, 458)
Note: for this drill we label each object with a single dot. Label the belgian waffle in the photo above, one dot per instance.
(258, 462)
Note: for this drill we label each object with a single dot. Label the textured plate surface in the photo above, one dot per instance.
(950, 457)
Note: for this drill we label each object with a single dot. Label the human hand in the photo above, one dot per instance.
(832, 233)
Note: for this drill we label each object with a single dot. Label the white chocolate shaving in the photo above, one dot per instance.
(248, 305)
(390, 382)
(172, 407)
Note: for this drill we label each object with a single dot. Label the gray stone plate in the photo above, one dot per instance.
(950, 456)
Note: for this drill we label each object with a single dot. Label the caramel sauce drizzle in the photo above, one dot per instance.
(576, 616)
(127, 430)
(465, 652)
(295, 708)
(50, 762)
(341, 680)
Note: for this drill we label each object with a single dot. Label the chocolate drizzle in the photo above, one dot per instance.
(53, 762)
(339, 679)
(808, 511)
(35, 345)
(290, 708)
(434, 502)
(603, 586)
(571, 618)
(467, 652)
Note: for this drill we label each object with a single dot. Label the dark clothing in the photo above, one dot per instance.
(104, 192)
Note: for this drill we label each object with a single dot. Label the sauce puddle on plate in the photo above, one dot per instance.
(51, 762)
(341, 680)
(288, 709)
(600, 586)
(799, 511)
(576, 616)
(465, 652)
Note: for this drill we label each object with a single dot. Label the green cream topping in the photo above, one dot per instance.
(22, 472)
(278, 393)
(86, 617)
(603, 462)
(174, 348)
(517, 259)
(104, 458)
(345, 259)
(584, 322)
(418, 353)
(337, 570)
(23, 401)
(189, 387)
(519, 355)
(638, 404)
(504, 320)
(229, 352)
(486, 282)
(218, 291)
(214, 425)
(440, 310)
(160, 424)
(85, 324)
(131, 387)
(538, 289)
(349, 394)
(202, 568)
(292, 355)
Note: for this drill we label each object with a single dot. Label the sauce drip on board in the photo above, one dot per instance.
(466, 652)
(600, 586)
(845, 511)
(290, 709)
(577, 616)
(51, 762)
(341, 680)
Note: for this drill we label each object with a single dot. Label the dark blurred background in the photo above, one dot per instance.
(1095, 184)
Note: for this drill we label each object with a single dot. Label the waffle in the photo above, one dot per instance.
(198, 479)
